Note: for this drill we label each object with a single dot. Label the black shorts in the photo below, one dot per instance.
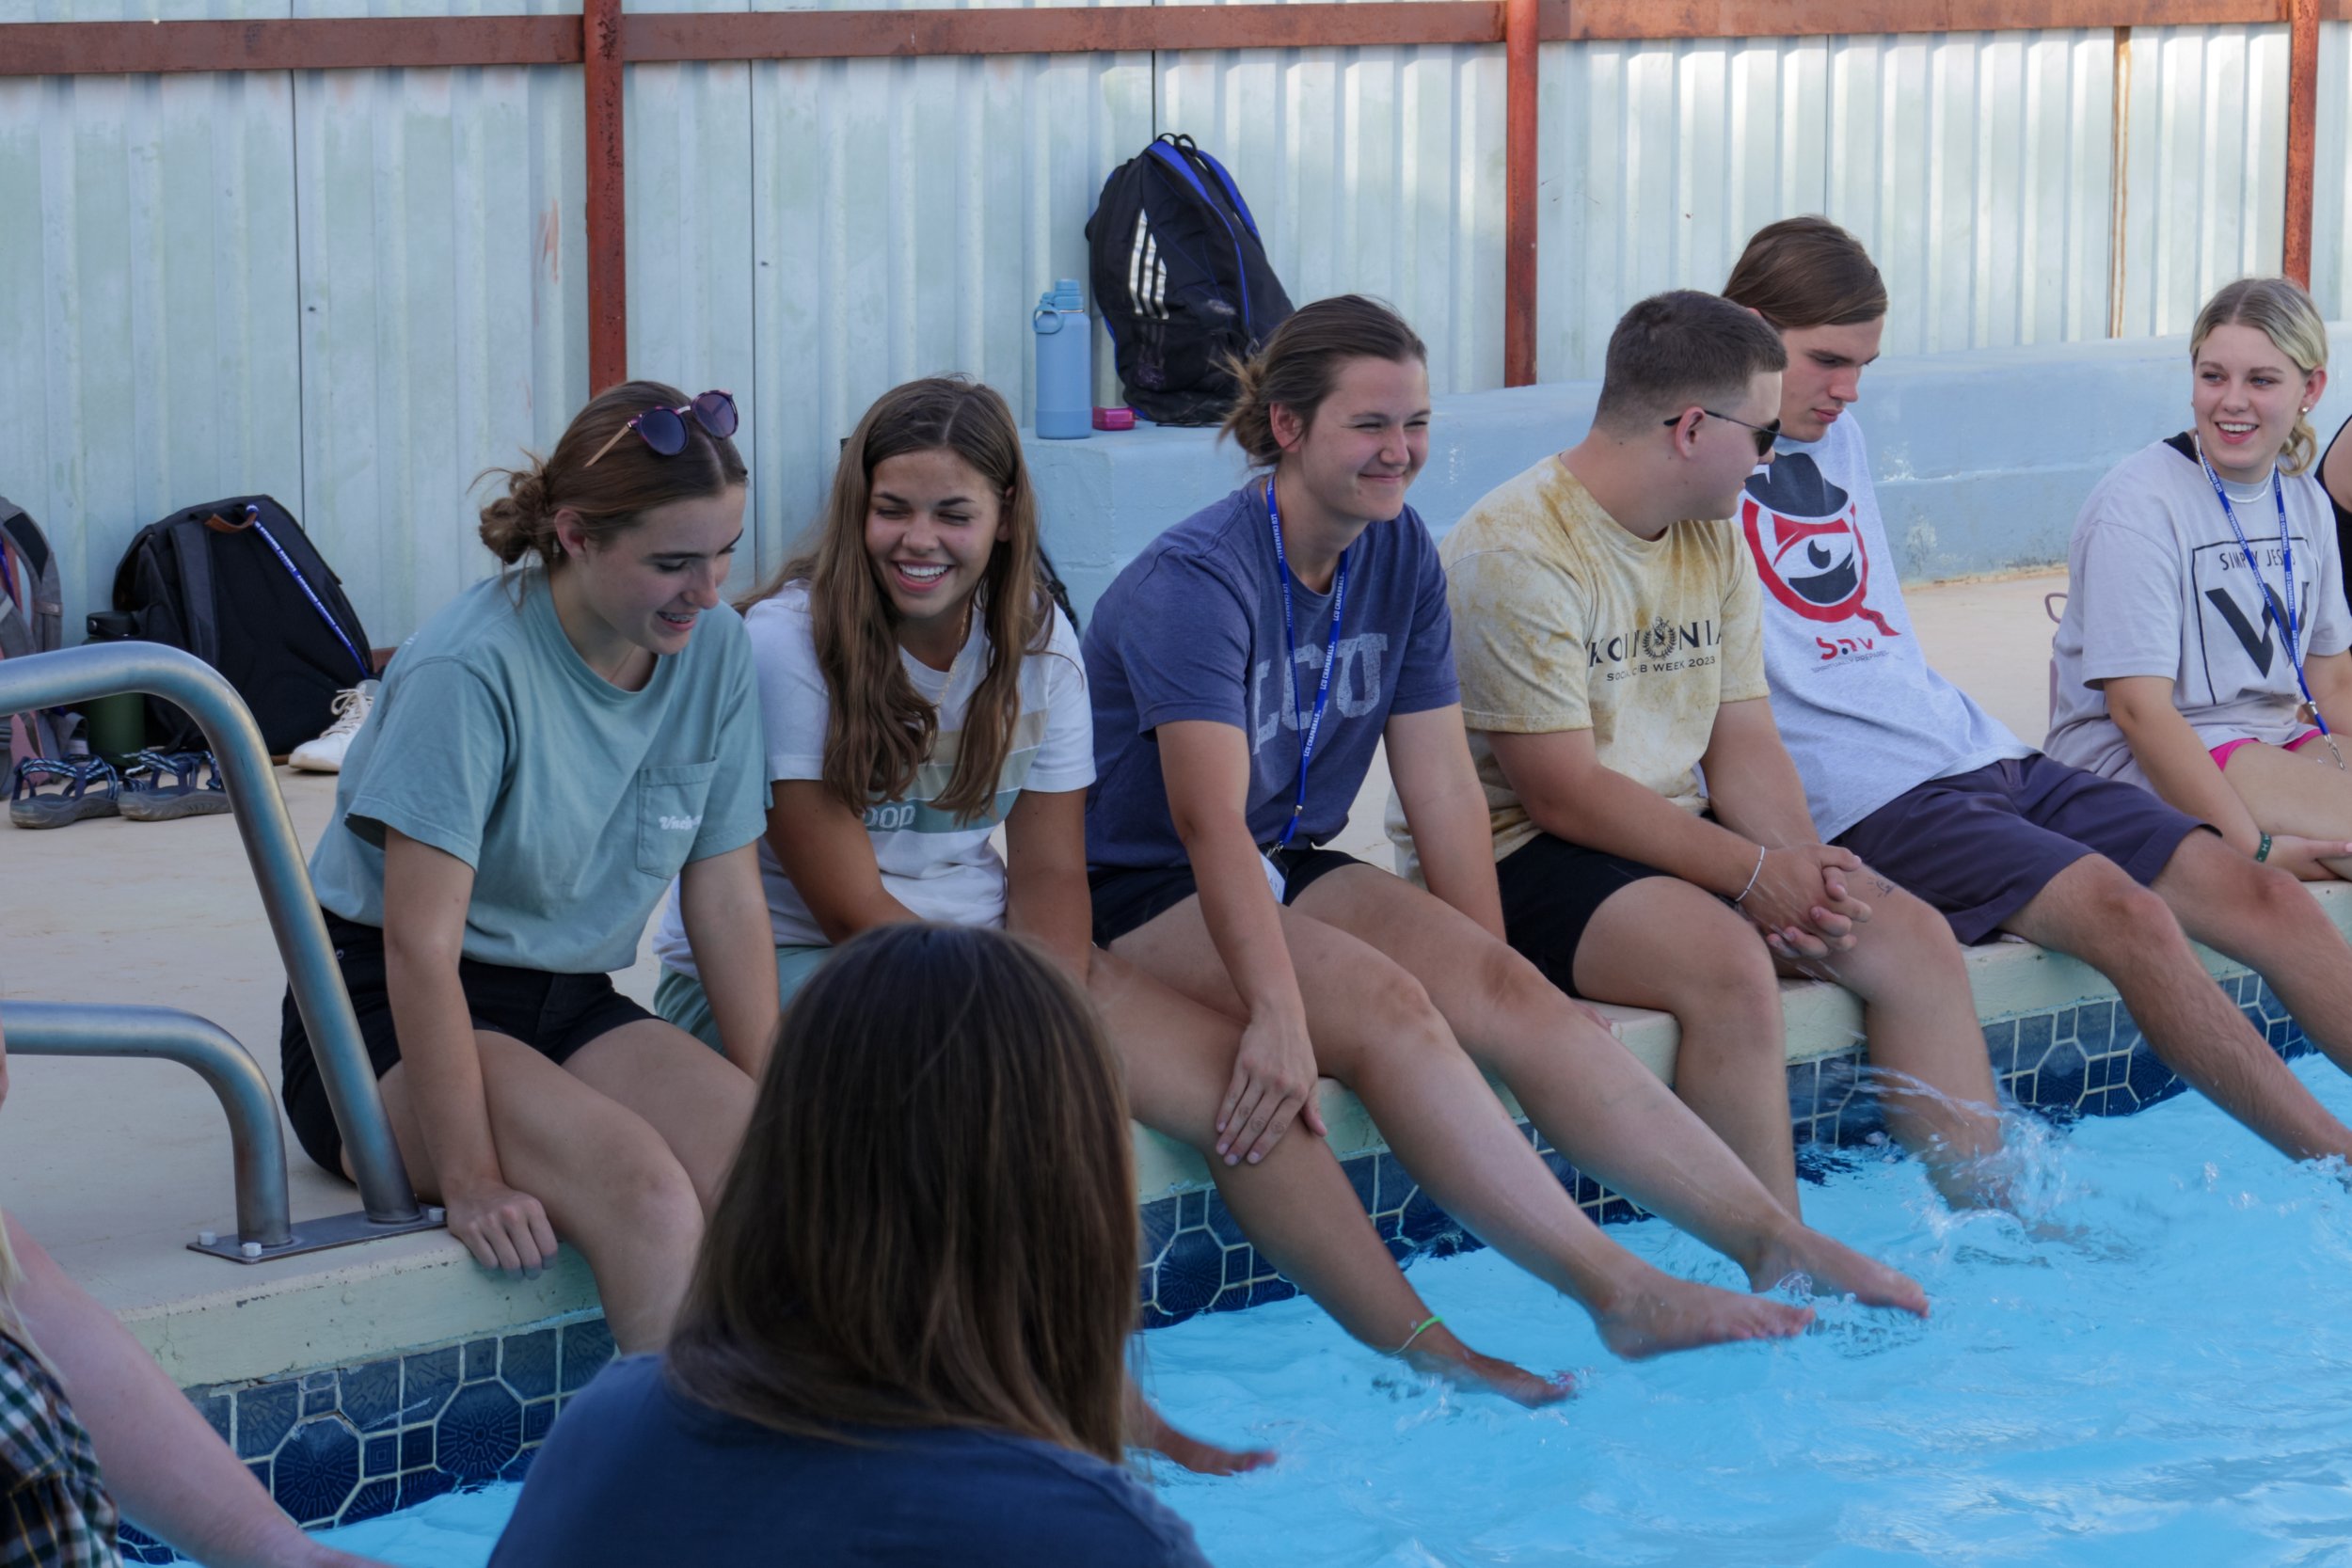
(553, 1014)
(1551, 889)
(1128, 896)
(1981, 846)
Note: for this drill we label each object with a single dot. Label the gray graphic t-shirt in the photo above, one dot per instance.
(2156, 585)
(1862, 711)
(1193, 629)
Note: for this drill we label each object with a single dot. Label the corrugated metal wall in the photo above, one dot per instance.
(356, 290)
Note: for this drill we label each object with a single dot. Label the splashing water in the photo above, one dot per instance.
(2153, 1366)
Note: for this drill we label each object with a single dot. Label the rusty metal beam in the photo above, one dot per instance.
(1522, 149)
(117, 48)
(1579, 21)
(1058, 30)
(315, 43)
(2302, 135)
(606, 215)
(2119, 183)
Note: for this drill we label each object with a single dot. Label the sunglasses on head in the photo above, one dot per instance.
(664, 429)
(1765, 433)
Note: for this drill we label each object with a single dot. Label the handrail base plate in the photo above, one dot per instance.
(317, 1235)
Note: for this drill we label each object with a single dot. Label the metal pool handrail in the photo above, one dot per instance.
(72, 675)
(257, 1144)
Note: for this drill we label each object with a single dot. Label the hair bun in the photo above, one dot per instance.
(515, 525)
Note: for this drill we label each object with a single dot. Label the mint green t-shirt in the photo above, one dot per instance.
(574, 801)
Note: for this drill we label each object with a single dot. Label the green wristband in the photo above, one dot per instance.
(2261, 851)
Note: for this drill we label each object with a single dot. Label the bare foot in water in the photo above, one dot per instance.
(1438, 1353)
(1837, 1269)
(1662, 1314)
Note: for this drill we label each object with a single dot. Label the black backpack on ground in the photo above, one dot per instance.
(238, 584)
(1181, 279)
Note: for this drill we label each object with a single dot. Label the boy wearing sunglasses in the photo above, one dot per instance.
(1608, 638)
(1900, 766)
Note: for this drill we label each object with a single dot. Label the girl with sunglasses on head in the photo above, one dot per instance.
(1244, 667)
(548, 752)
(919, 690)
(2202, 653)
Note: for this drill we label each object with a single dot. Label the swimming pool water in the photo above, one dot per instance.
(2160, 1374)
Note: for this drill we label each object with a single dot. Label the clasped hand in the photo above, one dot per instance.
(1800, 904)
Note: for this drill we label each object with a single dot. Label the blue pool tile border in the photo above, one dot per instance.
(338, 1446)
(335, 1447)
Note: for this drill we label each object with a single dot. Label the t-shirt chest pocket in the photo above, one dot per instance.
(670, 800)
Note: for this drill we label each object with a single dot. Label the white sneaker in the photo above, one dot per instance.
(325, 753)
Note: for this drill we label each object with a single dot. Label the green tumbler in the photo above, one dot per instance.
(117, 724)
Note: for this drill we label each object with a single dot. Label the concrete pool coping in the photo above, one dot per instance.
(115, 1166)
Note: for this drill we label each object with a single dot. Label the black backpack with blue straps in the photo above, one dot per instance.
(238, 584)
(1181, 279)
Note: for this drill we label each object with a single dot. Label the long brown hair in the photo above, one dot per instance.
(611, 498)
(1299, 364)
(1806, 272)
(933, 1219)
(880, 729)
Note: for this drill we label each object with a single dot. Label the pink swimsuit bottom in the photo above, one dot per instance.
(2228, 749)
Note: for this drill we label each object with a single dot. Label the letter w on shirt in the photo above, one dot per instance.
(1355, 685)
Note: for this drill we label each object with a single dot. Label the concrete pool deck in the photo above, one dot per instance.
(115, 1166)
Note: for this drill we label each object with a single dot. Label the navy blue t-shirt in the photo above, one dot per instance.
(635, 1473)
(1193, 629)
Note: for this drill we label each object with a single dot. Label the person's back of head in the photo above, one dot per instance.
(932, 1220)
(1681, 350)
(1805, 272)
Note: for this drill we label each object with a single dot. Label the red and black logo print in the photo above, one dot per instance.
(1801, 529)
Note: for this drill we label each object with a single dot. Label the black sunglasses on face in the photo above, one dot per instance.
(1765, 433)
(664, 429)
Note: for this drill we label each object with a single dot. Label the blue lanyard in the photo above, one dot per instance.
(2286, 620)
(253, 519)
(1313, 727)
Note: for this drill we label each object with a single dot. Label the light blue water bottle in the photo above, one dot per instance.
(1065, 364)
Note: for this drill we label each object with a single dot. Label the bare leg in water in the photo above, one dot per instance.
(1296, 1205)
(2094, 911)
(1377, 1028)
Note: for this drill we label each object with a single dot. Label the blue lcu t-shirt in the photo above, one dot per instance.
(1193, 629)
(636, 1473)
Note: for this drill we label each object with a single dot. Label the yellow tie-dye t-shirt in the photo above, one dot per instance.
(1563, 620)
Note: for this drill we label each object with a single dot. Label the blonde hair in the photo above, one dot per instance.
(12, 1321)
(2283, 312)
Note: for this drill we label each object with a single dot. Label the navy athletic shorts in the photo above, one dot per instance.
(1981, 846)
